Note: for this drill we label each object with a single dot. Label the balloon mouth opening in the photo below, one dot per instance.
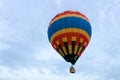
(71, 58)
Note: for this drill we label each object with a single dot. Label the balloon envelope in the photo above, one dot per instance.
(69, 33)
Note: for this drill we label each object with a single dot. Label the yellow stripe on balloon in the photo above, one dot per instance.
(73, 38)
(57, 42)
(81, 40)
(64, 39)
(80, 49)
(76, 47)
(70, 49)
(85, 43)
(67, 30)
(61, 53)
(69, 15)
(64, 49)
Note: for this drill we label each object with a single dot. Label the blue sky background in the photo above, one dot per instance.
(26, 54)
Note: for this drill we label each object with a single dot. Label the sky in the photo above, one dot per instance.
(25, 51)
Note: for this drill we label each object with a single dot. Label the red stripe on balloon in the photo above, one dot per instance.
(69, 12)
(69, 38)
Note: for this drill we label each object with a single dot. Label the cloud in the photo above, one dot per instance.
(4, 46)
(58, 2)
(20, 36)
(1, 3)
(45, 54)
(26, 54)
(36, 74)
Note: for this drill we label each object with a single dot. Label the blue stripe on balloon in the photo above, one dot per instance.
(69, 22)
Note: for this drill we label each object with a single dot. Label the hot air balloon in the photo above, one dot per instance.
(69, 33)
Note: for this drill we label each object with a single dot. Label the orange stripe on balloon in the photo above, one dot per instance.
(69, 30)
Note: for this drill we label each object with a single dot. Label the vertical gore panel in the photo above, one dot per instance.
(66, 47)
(83, 48)
(73, 46)
(59, 46)
(78, 47)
